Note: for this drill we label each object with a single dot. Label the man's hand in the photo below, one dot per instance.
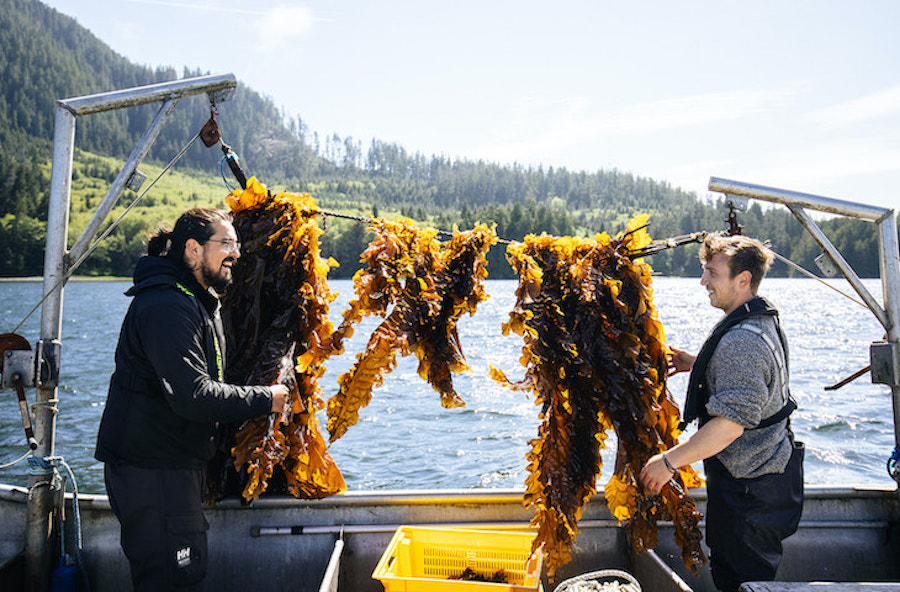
(280, 394)
(655, 474)
(711, 439)
(681, 361)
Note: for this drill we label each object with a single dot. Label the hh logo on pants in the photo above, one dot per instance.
(183, 557)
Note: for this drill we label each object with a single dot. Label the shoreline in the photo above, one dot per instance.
(75, 278)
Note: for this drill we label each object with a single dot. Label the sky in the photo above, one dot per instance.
(801, 95)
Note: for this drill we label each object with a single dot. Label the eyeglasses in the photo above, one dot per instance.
(230, 245)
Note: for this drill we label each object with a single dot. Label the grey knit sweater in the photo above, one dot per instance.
(745, 382)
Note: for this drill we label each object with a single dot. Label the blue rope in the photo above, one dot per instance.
(222, 170)
(893, 464)
(51, 462)
(39, 463)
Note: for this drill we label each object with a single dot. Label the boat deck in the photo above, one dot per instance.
(846, 535)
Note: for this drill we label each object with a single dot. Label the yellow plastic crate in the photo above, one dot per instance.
(420, 559)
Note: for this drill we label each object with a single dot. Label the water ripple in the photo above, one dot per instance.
(405, 439)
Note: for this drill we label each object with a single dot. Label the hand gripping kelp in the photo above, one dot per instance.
(595, 359)
(276, 308)
(429, 284)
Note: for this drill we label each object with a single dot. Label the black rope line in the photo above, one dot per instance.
(656, 246)
(366, 220)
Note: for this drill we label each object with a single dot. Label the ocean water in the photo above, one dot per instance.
(406, 440)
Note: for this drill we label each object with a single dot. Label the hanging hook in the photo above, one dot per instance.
(209, 133)
(735, 204)
(734, 229)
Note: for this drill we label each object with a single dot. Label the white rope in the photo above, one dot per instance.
(131, 206)
(589, 582)
(106, 233)
(815, 277)
(18, 460)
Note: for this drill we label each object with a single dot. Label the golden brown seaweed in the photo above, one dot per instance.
(430, 285)
(595, 359)
(277, 308)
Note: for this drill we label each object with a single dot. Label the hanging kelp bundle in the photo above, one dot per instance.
(276, 308)
(429, 284)
(595, 359)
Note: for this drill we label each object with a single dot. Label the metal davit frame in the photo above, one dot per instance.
(885, 355)
(58, 262)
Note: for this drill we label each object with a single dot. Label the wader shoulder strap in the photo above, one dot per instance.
(789, 405)
(698, 387)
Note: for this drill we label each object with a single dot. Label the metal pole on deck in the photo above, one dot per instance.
(41, 498)
(890, 271)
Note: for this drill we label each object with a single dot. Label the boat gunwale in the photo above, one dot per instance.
(395, 497)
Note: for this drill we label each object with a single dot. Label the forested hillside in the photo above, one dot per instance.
(46, 56)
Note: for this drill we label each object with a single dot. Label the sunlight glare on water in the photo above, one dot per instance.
(406, 440)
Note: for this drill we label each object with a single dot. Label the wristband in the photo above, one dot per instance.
(669, 466)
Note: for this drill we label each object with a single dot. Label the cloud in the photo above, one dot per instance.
(277, 27)
(832, 162)
(694, 176)
(570, 123)
(689, 111)
(197, 6)
(885, 102)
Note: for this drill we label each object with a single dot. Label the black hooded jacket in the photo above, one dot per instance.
(166, 394)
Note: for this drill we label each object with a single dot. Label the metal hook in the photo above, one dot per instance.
(734, 228)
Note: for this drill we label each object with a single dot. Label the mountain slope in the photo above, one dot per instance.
(46, 56)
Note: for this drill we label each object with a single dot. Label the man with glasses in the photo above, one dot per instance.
(167, 395)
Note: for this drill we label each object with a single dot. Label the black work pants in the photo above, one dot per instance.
(163, 530)
(746, 520)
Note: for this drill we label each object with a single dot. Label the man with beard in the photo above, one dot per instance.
(167, 394)
(739, 391)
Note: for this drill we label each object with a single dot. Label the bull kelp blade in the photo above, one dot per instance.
(427, 285)
(276, 308)
(356, 385)
(595, 359)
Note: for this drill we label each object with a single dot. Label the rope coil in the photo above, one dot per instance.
(589, 582)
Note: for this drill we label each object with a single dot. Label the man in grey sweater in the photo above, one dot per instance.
(739, 391)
